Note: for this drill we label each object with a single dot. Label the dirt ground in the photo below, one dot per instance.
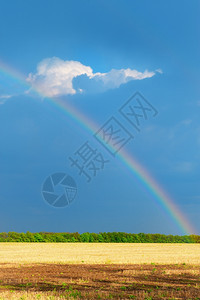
(102, 281)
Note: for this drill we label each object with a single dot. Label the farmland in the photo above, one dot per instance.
(99, 271)
(101, 253)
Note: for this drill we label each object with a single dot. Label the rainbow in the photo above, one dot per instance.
(161, 197)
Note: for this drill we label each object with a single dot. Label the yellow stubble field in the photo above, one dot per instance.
(99, 271)
(98, 253)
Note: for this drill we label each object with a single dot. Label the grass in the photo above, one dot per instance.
(89, 253)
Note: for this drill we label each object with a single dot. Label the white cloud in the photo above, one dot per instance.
(3, 98)
(184, 167)
(186, 122)
(55, 77)
(115, 78)
(159, 71)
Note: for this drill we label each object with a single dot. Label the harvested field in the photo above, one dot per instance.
(99, 271)
(99, 253)
(72, 281)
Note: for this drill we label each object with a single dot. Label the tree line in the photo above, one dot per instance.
(102, 237)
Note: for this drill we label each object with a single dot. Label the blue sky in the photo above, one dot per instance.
(94, 55)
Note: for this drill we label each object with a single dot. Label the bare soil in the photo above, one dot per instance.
(103, 281)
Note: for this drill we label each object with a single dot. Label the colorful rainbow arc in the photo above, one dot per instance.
(133, 165)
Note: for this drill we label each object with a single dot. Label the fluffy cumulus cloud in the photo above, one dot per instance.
(55, 77)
